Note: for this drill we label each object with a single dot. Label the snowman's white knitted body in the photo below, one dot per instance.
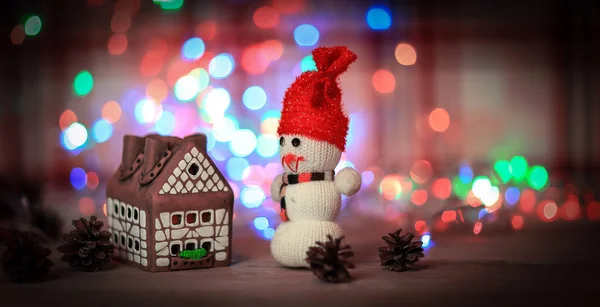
(311, 206)
(312, 129)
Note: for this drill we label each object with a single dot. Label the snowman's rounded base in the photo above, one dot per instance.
(292, 240)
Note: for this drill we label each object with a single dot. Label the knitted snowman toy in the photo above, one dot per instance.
(312, 130)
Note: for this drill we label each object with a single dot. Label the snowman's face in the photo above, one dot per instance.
(300, 154)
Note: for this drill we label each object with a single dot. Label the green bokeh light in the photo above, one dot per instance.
(169, 5)
(460, 188)
(518, 165)
(83, 84)
(503, 169)
(33, 26)
(538, 177)
(308, 63)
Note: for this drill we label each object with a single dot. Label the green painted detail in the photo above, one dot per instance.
(196, 254)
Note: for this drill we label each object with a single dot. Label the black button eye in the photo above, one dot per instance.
(296, 142)
(281, 141)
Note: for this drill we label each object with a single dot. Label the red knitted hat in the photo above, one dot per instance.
(312, 105)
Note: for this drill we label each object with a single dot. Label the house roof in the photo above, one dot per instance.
(188, 167)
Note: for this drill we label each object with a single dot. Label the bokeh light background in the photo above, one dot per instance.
(451, 121)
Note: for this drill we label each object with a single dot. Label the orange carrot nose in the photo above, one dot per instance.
(291, 161)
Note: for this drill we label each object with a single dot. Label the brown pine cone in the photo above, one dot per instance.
(329, 262)
(401, 252)
(88, 248)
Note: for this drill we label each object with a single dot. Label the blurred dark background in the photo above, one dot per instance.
(492, 104)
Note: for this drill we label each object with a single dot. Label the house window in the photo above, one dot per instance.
(129, 212)
(207, 245)
(194, 169)
(130, 243)
(136, 214)
(175, 249)
(116, 238)
(123, 240)
(190, 245)
(206, 217)
(191, 218)
(122, 210)
(136, 245)
(116, 211)
(176, 219)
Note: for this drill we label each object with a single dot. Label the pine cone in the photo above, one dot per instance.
(401, 252)
(88, 248)
(25, 260)
(329, 262)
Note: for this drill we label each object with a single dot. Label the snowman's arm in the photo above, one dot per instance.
(275, 187)
(348, 181)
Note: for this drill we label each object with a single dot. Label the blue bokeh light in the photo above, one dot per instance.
(242, 143)
(271, 114)
(261, 223)
(306, 35)
(193, 49)
(426, 239)
(252, 196)
(512, 195)
(78, 178)
(165, 124)
(235, 168)
(344, 164)
(102, 131)
(267, 145)
(254, 97)
(308, 63)
(268, 233)
(221, 66)
(75, 136)
(379, 18)
(465, 174)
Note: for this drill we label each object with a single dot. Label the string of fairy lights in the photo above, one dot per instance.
(185, 95)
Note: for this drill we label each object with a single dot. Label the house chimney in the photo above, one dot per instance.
(199, 139)
(153, 151)
(132, 146)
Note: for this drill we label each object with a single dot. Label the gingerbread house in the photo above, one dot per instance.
(168, 196)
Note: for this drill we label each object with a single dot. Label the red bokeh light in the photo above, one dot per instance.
(547, 210)
(571, 210)
(421, 171)
(255, 60)
(289, 6)
(66, 119)
(151, 65)
(206, 30)
(266, 17)
(439, 120)
(418, 197)
(449, 216)
(527, 200)
(117, 44)
(384, 81)
(178, 69)
(92, 180)
(274, 49)
(86, 206)
(420, 226)
(593, 211)
(442, 188)
(477, 228)
(517, 222)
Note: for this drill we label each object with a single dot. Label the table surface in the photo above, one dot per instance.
(551, 265)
